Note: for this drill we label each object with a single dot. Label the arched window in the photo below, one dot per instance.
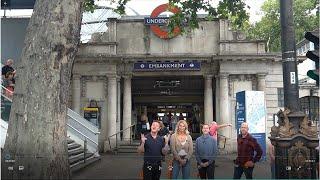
(310, 105)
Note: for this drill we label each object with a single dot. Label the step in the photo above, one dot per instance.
(78, 158)
(81, 164)
(73, 146)
(70, 141)
(128, 146)
(76, 151)
(127, 150)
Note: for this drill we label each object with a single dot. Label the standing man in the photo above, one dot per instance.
(8, 68)
(154, 147)
(205, 152)
(247, 146)
(214, 129)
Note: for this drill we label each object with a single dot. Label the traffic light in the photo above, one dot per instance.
(313, 55)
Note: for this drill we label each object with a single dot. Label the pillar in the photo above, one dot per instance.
(261, 80)
(118, 107)
(76, 93)
(224, 104)
(127, 107)
(112, 112)
(208, 103)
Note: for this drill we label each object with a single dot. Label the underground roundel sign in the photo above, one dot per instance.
(154, 21)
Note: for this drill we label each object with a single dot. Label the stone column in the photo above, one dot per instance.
(127, 107)
(76, 93)
(112, 112)
(208, 104)
(118, 107)
(224, 104)
(261, 80)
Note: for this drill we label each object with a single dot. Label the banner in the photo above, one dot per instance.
(167, 66)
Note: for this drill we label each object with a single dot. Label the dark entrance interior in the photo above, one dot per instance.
(169, 95)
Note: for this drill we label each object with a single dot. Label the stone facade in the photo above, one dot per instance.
(229, 63)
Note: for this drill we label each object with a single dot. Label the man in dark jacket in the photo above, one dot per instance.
(247, 145)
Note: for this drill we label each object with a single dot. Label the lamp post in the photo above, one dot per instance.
(294, 139)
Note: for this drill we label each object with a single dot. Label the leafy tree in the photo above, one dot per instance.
(306, 18)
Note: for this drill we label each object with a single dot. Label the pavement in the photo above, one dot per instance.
(128, 166)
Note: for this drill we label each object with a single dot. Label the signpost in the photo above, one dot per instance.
(251, 109)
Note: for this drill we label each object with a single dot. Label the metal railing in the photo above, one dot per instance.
(90, 131)
(118, 133)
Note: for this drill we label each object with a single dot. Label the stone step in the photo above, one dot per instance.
(81, 164)
(78, 158)
(73, 146)
(76, 151)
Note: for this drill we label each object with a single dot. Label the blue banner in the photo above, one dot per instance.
(167, 66)
(240, 110)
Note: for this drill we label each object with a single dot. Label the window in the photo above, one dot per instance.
(310, 105)
(280, 97)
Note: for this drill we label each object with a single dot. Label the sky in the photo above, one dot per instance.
(145, 7)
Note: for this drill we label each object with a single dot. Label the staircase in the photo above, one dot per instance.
(82, 136)
(78, 158)
(128, 148)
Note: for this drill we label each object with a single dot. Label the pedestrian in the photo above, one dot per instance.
(249, 152)
(145, 126)
(163, 130)
(165, 120)
(181, 146)
(214, 129)
(205, 152)
(174, 121)
(8, 68)
(154, 147)
(272, 160)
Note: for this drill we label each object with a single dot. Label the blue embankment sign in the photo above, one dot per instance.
(167, 66)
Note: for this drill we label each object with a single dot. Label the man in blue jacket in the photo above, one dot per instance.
(205, 152)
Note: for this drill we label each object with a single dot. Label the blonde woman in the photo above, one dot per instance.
(182, 149)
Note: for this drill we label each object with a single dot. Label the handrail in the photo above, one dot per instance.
(72, 117)
(9, 99)
(117, 136)
(122, 130)
(82, 134)
(81, 123)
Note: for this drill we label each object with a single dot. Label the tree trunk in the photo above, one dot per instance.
(37, 131)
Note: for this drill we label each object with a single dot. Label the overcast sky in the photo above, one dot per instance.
(145, 7)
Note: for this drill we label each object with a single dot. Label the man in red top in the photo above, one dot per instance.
(214, 129)
(247, 145)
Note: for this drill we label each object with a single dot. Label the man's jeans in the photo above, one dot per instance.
(238, 171)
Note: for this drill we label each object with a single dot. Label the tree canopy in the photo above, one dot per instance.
(306, 18)
(234, 10)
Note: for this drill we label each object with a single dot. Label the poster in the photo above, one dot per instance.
(251, 109)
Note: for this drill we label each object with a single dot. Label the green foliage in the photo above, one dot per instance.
(305, 19)
(89, 5)
(233, 10)
(187, 18)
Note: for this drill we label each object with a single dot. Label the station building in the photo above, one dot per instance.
(128, 70)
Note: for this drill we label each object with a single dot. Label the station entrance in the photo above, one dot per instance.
(157, 97)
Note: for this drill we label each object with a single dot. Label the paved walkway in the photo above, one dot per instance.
(128, 166)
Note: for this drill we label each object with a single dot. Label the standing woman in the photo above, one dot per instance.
(182, 149)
